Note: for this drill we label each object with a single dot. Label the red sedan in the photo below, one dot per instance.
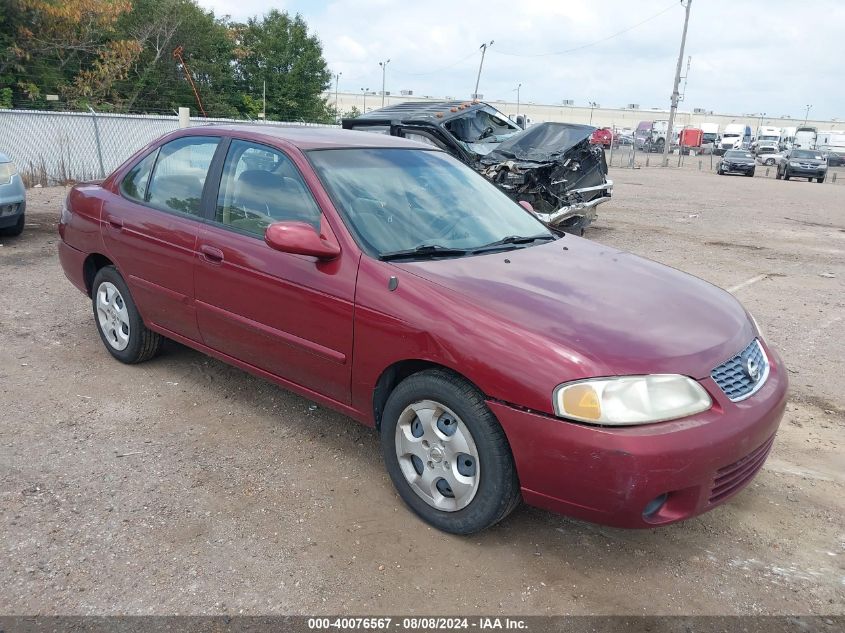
(497, 359)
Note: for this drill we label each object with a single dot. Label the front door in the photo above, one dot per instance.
(290, 315)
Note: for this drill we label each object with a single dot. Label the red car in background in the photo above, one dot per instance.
(602, 136)
(498, 360)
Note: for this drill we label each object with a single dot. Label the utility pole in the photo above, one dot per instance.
(383, 73)
(807, 113)
(517, 105)
(264, 102)
(364, 93)
(674, 106)
(483, 48)
(336, 82)
(593, 106)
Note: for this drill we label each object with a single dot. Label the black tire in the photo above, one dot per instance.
(498, 488)
(660, 144)
(719, 171)
(17, 229)
(820, 180)
(751, 174)
(785, 175)
(778, 175)
(143, 344)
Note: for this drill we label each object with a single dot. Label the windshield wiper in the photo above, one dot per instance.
(512, 240)
(425, 251)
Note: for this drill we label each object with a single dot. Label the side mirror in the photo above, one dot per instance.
(300, 238)
(526, 205)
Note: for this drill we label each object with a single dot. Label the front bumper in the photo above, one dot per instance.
(12, 202)
(806, 172)
(609, 475)
(738, 169)
(580, 214)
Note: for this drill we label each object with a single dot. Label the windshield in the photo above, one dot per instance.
(806, 153)
(402, 199)
(738, 154)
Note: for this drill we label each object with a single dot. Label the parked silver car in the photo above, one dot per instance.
(12, 198)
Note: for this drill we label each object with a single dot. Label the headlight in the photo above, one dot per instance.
(628, 400)
(791, 164)
(7, 170)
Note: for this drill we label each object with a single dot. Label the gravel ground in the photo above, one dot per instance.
(186, 486)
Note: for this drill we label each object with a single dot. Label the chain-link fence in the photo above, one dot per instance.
(59, 147)
(629, 157)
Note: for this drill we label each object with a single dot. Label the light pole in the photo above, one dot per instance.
(593, 106)
(675, 96)
(383, 73)
(364, 95)
(483, 49)
(336, 82)
(807, 113)
(517, 105)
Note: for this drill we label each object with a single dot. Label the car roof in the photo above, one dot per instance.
(421, 111)
(306, 137)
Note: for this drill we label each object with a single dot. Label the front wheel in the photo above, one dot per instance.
(446, 453)
(118, 321)
(820, 180)
(751, 174)
(770, 162)
(785, 175)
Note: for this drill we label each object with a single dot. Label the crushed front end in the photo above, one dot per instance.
(554, 167)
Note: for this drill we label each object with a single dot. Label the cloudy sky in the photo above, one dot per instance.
(748, 56)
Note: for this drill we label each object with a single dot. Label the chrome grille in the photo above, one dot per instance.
(735, 379)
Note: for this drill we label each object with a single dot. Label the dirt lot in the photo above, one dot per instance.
(186, 486)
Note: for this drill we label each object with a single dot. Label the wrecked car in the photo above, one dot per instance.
(552, 166)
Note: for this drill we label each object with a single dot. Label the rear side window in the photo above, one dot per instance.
(260, 186)
(179, 175)
(134, 184)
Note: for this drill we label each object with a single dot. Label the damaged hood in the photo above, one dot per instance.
(540, 143)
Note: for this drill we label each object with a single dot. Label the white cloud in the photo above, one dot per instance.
(746, 56)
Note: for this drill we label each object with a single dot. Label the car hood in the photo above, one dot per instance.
(541, 143)
(606, 311)
(739, 161)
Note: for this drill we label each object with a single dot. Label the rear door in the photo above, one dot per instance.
(150, 230)
(290, 315)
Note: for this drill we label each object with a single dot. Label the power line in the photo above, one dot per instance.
(439, 70)
(583, 46)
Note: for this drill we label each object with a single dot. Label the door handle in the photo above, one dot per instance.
(115, 222)
(211, 254)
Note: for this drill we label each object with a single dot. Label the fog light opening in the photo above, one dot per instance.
(653, 506)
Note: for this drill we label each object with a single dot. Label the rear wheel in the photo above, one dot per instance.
(785, 175)
(16, 229)
(118, 321)
(770, 162)
(659, 145)
(446, 453)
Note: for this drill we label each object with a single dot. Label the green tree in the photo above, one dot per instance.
(277, 49)
(157, 81)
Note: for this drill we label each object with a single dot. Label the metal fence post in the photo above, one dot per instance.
(97, 139)
(184, 117)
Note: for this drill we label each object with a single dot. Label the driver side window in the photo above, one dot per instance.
(260, 186)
